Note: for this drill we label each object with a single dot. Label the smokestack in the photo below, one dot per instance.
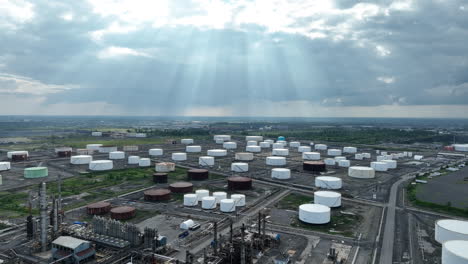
(242, 245)
(43, 211)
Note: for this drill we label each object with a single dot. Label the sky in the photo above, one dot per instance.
(292, 58)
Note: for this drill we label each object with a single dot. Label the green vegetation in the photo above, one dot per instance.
(293, 201)
(411, 191)
(342, 224)
(14, 204)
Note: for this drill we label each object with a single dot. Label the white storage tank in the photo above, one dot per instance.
(366, 155)
(190, 199)
(379, 166)
(380, 158)
(344, 163)
(449, 229)
(351, 150)
(251, 143)
(329, 161)
(280, 152)
(295, 144)
(334, 152)
(265, 144)
(144, 162)
(227, 205)
(133, 160)
(81, 159)
(4, 166)
(164, 167)
(461, 147)
(244, 156)
(253, 138)
(253, 149)
(206, 161)
(179, 156)
(217, 152)
(240, 167)
(455, 252)
(96, 134)
(186, 141)
(229, 145)
(310, 155)
(18, 152)
(314, 213)
(330, 199)
(361, 172)
(155, 152)
(303, 149)
(101, 165)
(328, 182)
(107, 149)
(271, 141)
(239, 199)
(358, 156)
(208, 202)
(193, 149)
(284, 143)
(337, 159)
(186, 225)
(391, 164)
(222, 137)
(116, 155)
(278, 146)
(418, 157)
(219, 141)
(281, 173)
(276, 161)
(321, 147)
(202, 193)
(94, 146)
(219, 196)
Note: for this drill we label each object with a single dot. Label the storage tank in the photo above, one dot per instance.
(251, 143)
(281, 138)
(157, 195)
(95, 147)
(327, 182)
(329, 162)
(19, 153)
(239, 183)
(4, 166)
(206, 161)
(380, 158)
(271, 141)
(98, 208)
(253, 149)
(107, 149)
(265, 144)
(186, 141)
(63, 152)
(253, 138)
(337, 159)
(280, 152)
(284, 143)
(276, 161)
(123, 213)
(208, 203)
(351, 150)
(144, 162)
(155, 152)
(303, 149)
(295, 144)
(449, 229)
(81, 159)
(222, 137)
(227, 205)
(391, 164)
(84, 152)
(160, 177)
(330, 199)
(36, 172)
(344, 163)
(202, 193)
(379, 166)
(219, 196)
(230, 145)
(366, 155)
(101, 165)
(116, 155)
(361, 172)
(190, 199)
(217, 152)
(197, 174)
(314, 213)
(164, 167)
(461, 147)
(186, 225)
(181, 187)
(281, 173)
(321, 147)
(244, 156)
(179, 156)
(278, 146)
(310, 155)
(193, 149)
(455, 252)
(239, 167)
(133, 160)
(130, 148)
(239, 199)
(358, 156)
(314, 166)
(334, 152)
(96, 134)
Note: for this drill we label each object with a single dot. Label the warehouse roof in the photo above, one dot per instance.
(69, 242)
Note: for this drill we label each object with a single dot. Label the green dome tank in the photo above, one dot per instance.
(36, 172)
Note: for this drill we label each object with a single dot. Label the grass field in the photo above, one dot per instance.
(293, 201)
(342, 224)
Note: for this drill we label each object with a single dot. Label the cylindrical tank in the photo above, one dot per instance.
(379, 166)
(380, 158)
(281, 173)
(101, 165)
(321, 147)
(264, 144)
(314, 166)
(144, 162)
(63, 152)
(24, 153)
(81, 159)
(164, 167)
(334, 152)
(351, 150)
(107, 149)
(329, 162)
(276, 161)
(253, 149)
(208, 202)
(190, 199)
(271, 141)
(197, 174)
(253, 138)
(330, 199)
(239, 183)
(98, 208)
(295, 144)
(337, 159)
(366, 155)
(160, 177)
(217, 152)
(230, 145)
(239, 199)
(222, 137)
(344, 163)
(227, 205)
(278, 146)
(186, 141)
(251, 143)
(310, 155)
(455, 252)
(116, 155)
(448, 229)
(179, 156)
(206, 161)
(314, 213)
(122, 213)
(193, 149)
(280, 152)
(130, 148)
(284, 143)
(219, 196)
(358, 156)
(155, 152)
(96, 134)
(181, 187)
(361, 172)
(303, 149)
(240, 167)
(94, 146)
(36, 172)
(327, 182)
(133, 160)
(244, 156)
(157, 195)
(4, 166)
(84, 151)
(202, 193)
(391, 164)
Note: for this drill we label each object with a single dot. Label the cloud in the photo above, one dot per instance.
(14, 84)
(13, 13)
(113, 52)
(385, 79)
